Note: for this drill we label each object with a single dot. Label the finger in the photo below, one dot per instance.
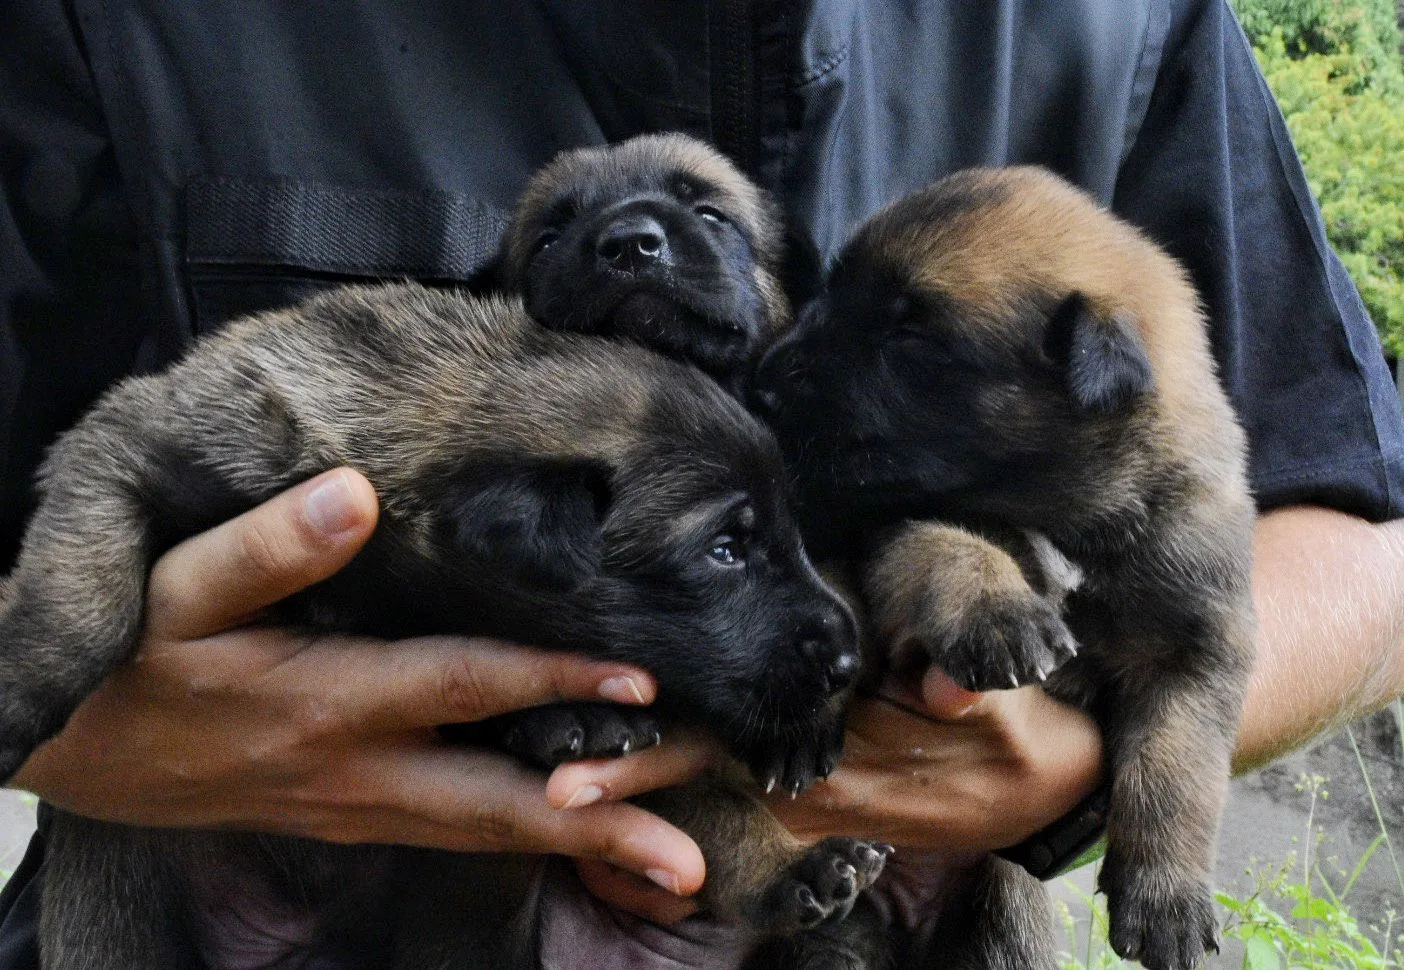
(944, 698)
(580, 783)
(473, 801)
(217, 579)
(431, 681)
(626, 891)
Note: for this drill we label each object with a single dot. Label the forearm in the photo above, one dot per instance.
(1329, 593)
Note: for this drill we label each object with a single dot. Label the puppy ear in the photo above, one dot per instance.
(1103, 359)
(536, 522)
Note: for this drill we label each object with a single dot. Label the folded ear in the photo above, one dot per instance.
(1103, 358)
(535, 522)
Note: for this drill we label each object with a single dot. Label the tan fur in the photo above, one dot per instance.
(1133, 493)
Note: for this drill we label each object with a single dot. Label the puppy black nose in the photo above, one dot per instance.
(632, 242)
(830, 642)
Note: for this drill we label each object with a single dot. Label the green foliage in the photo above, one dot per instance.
(1351, 139)
(1366, 28)
(1284, 926)
(1335, 68)
(1296, 917)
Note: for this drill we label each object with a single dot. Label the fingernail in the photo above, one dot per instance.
(664, 878)
(621, 690)
(584, 795)
(331, 507)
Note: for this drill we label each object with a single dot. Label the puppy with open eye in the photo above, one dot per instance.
(542, 487)
(659, 239)
(1008, 395)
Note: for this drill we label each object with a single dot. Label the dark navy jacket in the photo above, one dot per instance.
(165, 165)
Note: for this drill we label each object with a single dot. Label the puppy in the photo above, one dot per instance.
(1008, 394)
(659, 239)
(541, 487)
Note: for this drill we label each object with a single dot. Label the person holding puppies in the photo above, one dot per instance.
(297, 150)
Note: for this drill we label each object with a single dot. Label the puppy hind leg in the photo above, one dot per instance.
(1003, 922)
(858, 942)
(757, 872)
(1169, 745)
(111, 902)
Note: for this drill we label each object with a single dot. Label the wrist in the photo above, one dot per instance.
(1069, 843)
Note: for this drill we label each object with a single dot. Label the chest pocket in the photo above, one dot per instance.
(258, 245)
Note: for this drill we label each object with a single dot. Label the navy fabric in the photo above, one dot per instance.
(166, 165)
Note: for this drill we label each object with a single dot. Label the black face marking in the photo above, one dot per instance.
(892, 399)
(650, 251)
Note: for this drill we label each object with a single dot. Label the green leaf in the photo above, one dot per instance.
(1259, 954)
(1360, 866)
(1318, 908)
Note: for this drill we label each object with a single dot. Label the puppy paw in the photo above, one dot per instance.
(1165, 922)
(556, 733)
(1005, 639)
(822, 885)
(792, 765)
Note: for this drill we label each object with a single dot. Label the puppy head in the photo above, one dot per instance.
(676, 552)
(709, 585)
(658, 238)
(984, 346)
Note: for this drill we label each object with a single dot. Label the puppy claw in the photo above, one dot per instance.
(770, 784)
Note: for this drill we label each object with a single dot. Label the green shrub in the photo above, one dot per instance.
(1335, 68)
(1350, 134)
(1365, 28)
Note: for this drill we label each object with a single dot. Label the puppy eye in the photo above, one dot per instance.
(727, 551)
(710, 214)
(544, 241)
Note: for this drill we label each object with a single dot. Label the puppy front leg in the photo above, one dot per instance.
(988, 615)
(553, 734)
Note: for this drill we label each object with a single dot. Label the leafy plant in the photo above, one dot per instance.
(1335, 68)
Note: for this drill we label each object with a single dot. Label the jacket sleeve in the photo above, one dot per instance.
(70, 316)
(1212, 175)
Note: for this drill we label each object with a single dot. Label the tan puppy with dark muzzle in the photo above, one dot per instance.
(542, 487)
(1007, 394)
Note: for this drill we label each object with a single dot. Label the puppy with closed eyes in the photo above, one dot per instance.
(1007, 395)
(659, 239)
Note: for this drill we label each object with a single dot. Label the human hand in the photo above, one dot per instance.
(946, 770)
(949, 769)
(220, 722)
